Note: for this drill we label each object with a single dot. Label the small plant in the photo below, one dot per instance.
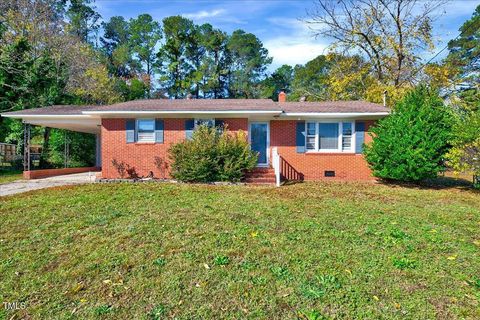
(162, 166)
(280, 272)
(102, 310)
(310, 315)
(475, 283)
(120, 167)
(404, 263)
(247, 265)
(318, 287)
(125, 169)
(159, 262)
(221, 260)
(259, 281)
(312, 290)
(158, 312)
(329, 282)
(398, 234)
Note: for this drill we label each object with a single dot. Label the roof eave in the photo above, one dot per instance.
(335, 115)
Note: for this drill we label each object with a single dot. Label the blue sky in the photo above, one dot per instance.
(275, 22)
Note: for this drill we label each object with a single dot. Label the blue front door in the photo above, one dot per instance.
(259, 141)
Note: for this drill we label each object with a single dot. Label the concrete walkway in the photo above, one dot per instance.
(20, 186)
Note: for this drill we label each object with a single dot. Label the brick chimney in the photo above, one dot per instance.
(282, 96)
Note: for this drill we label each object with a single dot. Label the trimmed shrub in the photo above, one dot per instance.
(212, 155)
(410, 144)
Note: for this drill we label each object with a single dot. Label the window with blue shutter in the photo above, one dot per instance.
(359, 136)
(130, 130)
(159, 130)
(189, 127)
(300, 137)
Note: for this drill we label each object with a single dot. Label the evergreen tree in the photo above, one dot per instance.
(410, 144)
(173, 56)
(248, 60)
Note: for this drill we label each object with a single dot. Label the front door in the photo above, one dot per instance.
(259, 141)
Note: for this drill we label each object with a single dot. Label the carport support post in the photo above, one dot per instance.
(98, 151)
(26, 147)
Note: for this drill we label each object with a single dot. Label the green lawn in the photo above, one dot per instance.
(9, 176)
(308, 251)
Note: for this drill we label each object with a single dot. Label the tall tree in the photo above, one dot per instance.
(145, 33)
(248, 60)
(214, 66)
(465, 57)
(117, 45)
(173, 55)
(280, 79)
(84, 20)
(310, 80)
(391, 33)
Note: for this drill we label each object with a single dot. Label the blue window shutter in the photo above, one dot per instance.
(359, 136)
(130, 129)
(300, 137)
(189, 126)
(159, 130)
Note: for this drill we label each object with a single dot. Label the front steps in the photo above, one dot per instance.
(260, 176)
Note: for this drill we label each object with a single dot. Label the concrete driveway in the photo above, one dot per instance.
(20, 186)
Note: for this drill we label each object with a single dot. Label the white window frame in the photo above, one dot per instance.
(137, 126)
(340, 136)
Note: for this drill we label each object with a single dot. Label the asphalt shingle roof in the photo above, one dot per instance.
(213, 105)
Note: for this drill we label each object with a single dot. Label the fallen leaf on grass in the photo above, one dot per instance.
(452, 258)
(376, 298)
(78, 287)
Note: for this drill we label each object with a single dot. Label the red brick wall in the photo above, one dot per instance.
(45, 173)
(312, 165)
(141, 156)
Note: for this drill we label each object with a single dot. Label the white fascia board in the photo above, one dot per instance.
(46, 116)
(173, 112)
(334, 115)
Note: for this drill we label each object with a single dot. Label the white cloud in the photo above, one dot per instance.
(203, 14)
(299, 47)
(285, 51)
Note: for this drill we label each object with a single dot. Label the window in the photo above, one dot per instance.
(347, 136)
(204, 122)
(329, 136)
(145, 130)
(311, 135)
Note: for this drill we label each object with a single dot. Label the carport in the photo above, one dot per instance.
(60, 117)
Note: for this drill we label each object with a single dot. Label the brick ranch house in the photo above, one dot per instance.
(305, 140)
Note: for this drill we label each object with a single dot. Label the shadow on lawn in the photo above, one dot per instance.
(439, 183)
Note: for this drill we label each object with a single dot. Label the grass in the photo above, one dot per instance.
(9, 176)
(307, 251)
